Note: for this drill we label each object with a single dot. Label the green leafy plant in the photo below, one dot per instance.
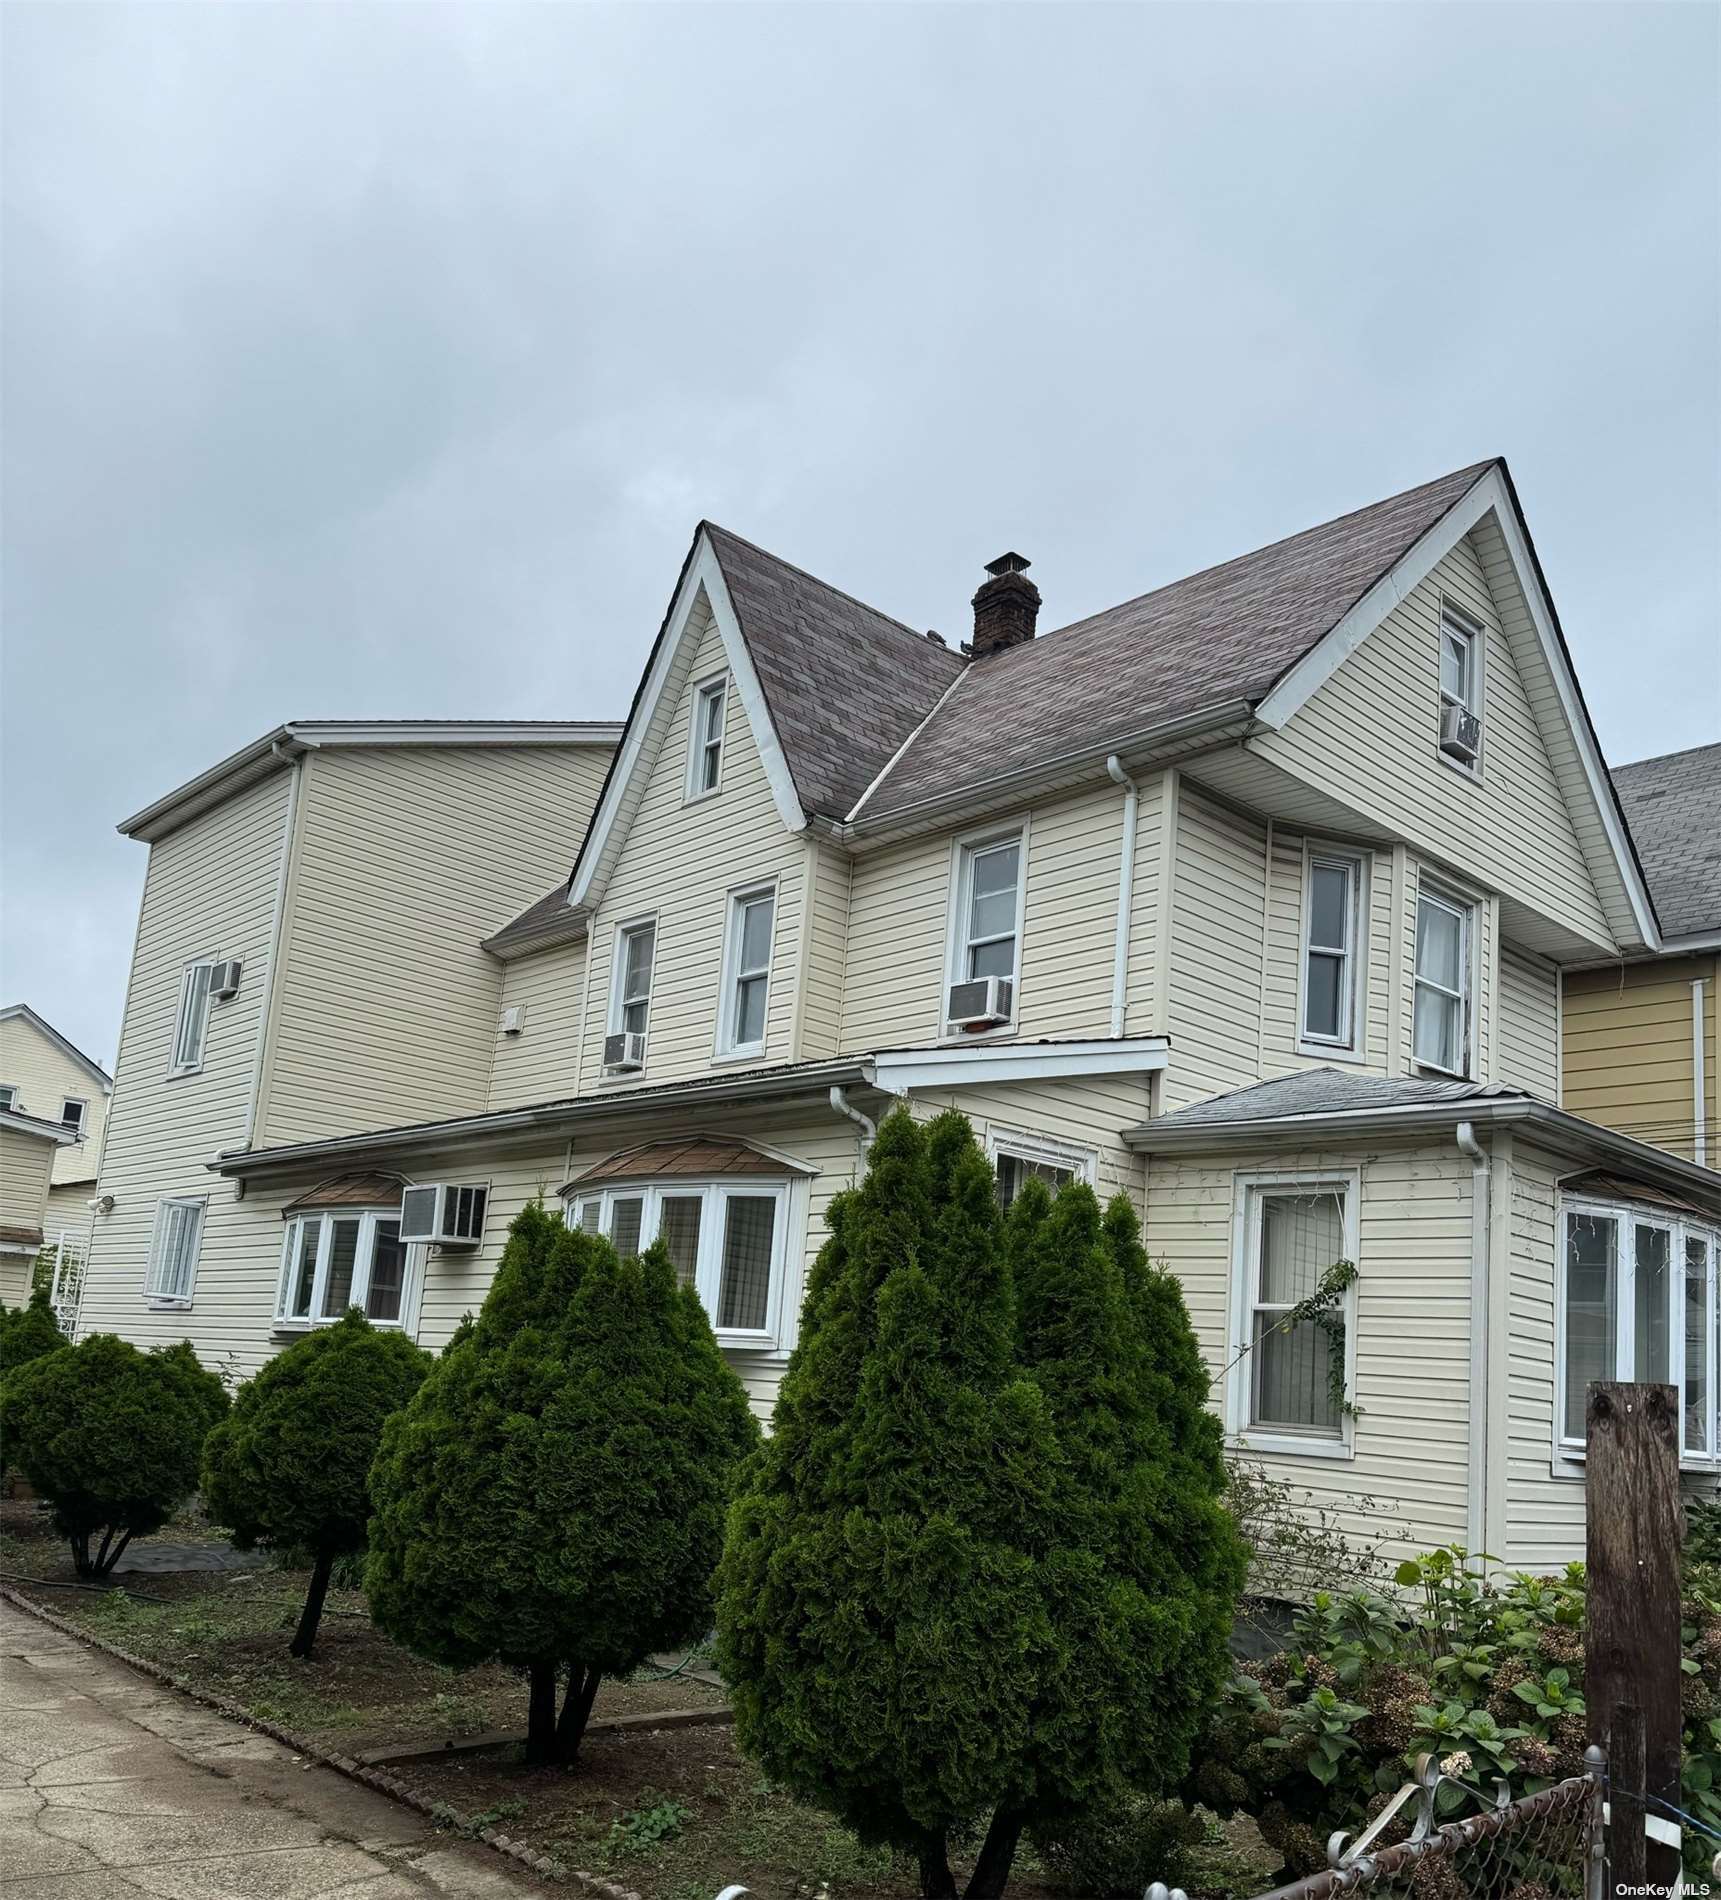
(111, 1437)
(641, 1829)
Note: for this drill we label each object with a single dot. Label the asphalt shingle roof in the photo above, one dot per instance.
(1327, 1092)
(845, 683)
(1673, 805)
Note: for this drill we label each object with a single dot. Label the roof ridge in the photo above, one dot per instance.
(1665, 758)
(806, 574)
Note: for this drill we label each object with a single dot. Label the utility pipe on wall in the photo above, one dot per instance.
(1477, 1487)
(1125, 891)
(865, 1123)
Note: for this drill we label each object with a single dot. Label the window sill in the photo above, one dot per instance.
(1290, 1445)
(1331, 1051)
(1568, 1462)
(179, 1075)
(965, 1038)
(747, 1342)
(701, 798)
(623, 1081)
(155, 1303)
(1446, 1075)
(753, 1052)
(1471, 772)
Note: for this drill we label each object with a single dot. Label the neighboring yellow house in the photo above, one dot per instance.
(1248, 899)
(1641, 1047)
(46, 1076)
(28, 1148)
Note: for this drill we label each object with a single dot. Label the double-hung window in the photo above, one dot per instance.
(173, 1248)
(1638, 1302)
(72, 1112)
(705, 747)
(630, 994)
(191, 1026)
(1290, 1373)
(1332, 910)
(1440, 1026)
(1460, 670)
(727, 1239)
(991, 886)
(747, 973)
(340, 1258)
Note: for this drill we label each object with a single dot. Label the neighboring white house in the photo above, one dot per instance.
(1247, 898)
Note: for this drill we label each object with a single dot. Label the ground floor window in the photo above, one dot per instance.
(336, 1260)
(173, 1250)
(1017, 1158)
(1638, 1301)
(728, 1240)
(1290, 1371)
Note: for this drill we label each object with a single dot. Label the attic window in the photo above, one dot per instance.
(705, 747)
(1461, 647)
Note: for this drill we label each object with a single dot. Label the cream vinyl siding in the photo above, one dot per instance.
(1368, 738)
(1218, 921)
(899, 919)
(25, 1164)
(1484, 957)
(540, 1064)
(1412, 1324)
(681, 861)
(44, 1077)
(69, 1211)
(1629, 1046)
(1085, 1113)
(1529, 1028)
(824, 951)
(406, 857)
(210, 891)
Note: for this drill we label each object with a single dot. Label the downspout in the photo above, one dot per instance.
(868, 1127)
(1476, 1488)
(1125, 891)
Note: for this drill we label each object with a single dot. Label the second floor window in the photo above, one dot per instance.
(747, 973)
(630, 1005)
(330, 1262)
(1440, 1032)
(989, 911)
(1330, 950)
(9, 1098)
(72, 1115)
(173, 1249)
(705, 761)
(192, 1025)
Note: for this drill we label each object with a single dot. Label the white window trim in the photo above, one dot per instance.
(618, 975)
(9, 1090)
(962, 851)
(1569, 1453)
(81, 1103)
(1044, 1149)
(790, 1223)
(364, 1258)
(726, 1048)
(173, 1302)
(1352, 1047)
(714, 685)
(1469, 910)
(1465, 623)
(1247, 1190)
(187, 971)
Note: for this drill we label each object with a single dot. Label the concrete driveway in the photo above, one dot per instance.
(111, 1785)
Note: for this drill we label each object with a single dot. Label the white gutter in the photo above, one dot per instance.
(1476, 1490)
(865, 1123)
(1125, 890)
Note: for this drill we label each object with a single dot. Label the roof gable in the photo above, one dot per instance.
(1673, 804)
(22, 1012)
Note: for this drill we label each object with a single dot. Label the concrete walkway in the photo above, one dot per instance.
(111, 1786)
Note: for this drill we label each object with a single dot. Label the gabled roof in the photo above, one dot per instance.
(1673, 805)
(22, 1012)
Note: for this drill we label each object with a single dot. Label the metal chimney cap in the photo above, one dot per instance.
(1009, 564)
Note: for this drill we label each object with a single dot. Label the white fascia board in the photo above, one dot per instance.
(638, 750)
(418, 732)
(1489, 495)
(33, 1128)
(902, 1070)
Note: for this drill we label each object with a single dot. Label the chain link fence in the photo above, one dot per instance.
(1545, 1846)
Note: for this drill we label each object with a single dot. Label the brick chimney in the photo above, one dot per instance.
(1005, 608)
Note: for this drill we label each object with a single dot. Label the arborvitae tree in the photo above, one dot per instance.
(879, 1616)
(287, 1468)
(111, 1437)
(1143, 1578)
(28, 1331)
(553, 1495)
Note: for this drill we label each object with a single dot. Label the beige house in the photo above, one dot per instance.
(47, 1077)
(28, 1150)
(1248, 898)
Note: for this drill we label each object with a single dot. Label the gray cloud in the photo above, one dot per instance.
(379, 360)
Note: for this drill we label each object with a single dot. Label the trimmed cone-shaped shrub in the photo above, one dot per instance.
(880, 1617)
(111, 1437)
(28, 1331)
(287, 1468)
(1143, 1578)
(553, 1496)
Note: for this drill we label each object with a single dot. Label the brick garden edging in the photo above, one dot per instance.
(376, 1778)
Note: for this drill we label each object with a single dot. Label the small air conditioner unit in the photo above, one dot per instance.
(1460, 733)
(224, 980)
(983, 1003)
(624, 1053)
(443, 1214)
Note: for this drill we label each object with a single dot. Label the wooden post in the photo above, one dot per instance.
(1631, 1637)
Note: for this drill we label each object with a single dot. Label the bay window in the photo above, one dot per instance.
(343, 1258)
(726, 1239)
(1638, 1302)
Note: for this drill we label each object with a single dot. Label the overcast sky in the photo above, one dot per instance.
(379, 360)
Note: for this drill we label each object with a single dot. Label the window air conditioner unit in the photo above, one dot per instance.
(624, 1053)
(224, 980)
(443, 1214)
(1460, 733)
(982, 1004)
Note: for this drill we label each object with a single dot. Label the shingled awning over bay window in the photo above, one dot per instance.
(706, 1157)
(348, 1190)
